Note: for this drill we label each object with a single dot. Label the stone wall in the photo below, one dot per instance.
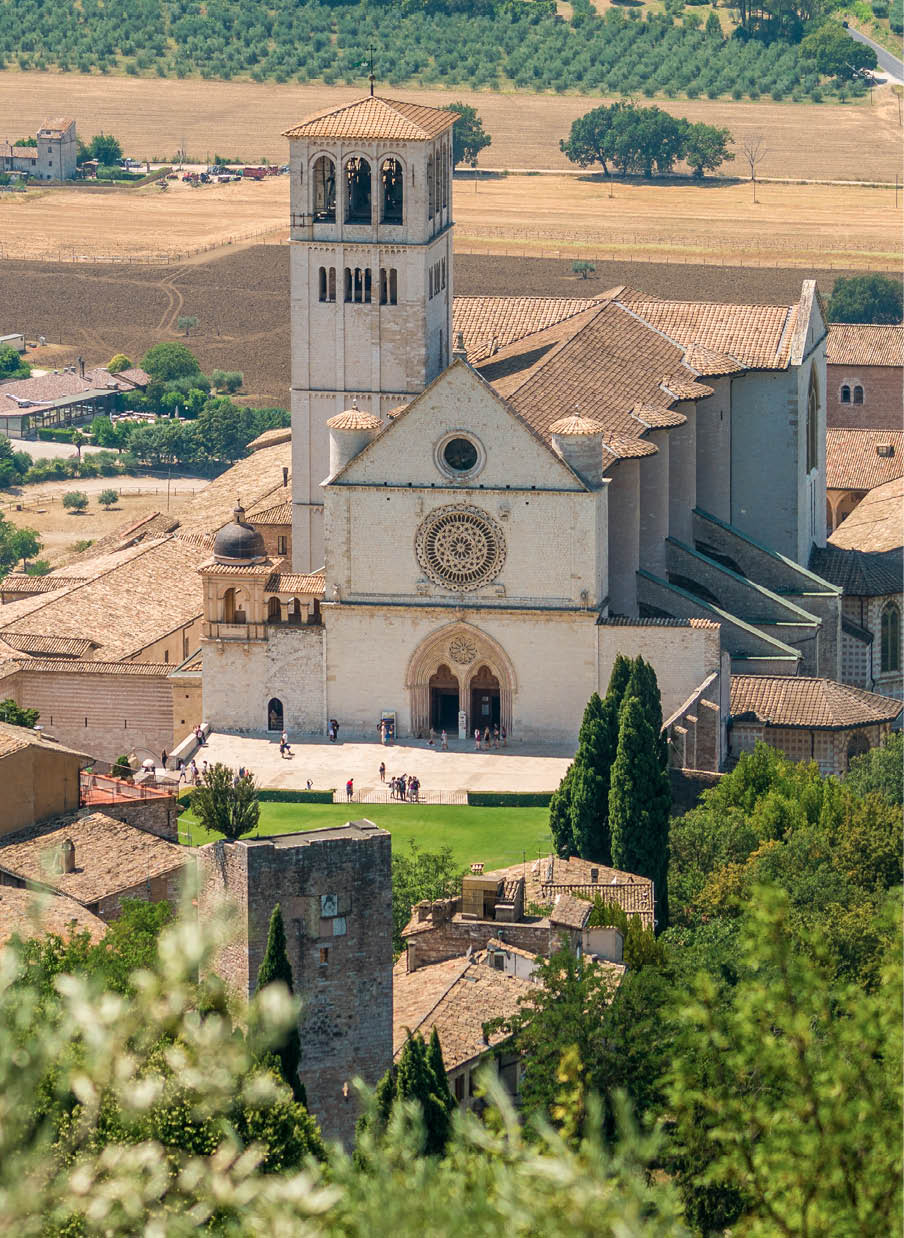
(882, 405)
(167, 887)
(241, 677)
(334, 888)
(451, 938)
(158, 816)
(828, 748)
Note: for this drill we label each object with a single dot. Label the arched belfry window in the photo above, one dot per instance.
(357, 191)
(392, 182)
(813, 423)
(891, 638)
(323, 188)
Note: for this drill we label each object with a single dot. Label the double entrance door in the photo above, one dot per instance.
(445, 700)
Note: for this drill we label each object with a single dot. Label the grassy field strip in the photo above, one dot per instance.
(496, 836)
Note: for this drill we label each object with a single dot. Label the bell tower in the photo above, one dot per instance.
(371, 277)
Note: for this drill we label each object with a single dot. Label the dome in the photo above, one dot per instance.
(578, 426)
(354, 419)
(237, 542)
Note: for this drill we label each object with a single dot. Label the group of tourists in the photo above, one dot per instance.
(406, 787)
(490, 739)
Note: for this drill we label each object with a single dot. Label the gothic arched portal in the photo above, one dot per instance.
(460, 663)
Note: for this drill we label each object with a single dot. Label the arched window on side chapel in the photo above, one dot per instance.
(812, 423)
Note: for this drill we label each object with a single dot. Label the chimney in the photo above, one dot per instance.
(67, 856)
(81, 367)
(459, 352)
(285, 476)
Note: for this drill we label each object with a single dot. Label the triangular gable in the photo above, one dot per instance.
(809, 323)
(516, 457)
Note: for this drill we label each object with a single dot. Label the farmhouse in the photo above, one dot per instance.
(52, 159)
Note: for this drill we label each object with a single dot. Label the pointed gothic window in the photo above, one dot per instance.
(812, 423)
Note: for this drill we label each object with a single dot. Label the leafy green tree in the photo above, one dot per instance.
(17, 544)
(643, 684)
(468, 135)
(618, 680)
(17, 715)
(78, 441)
(104, 433)
(12, 365)
(705, 146)
(713, 27)
(170, 360)
(836, 54)
(118, 363)
(38, 567)
(105, 149)
(186, 322)
(639, 803)
(783, 1074)
(416, 1080)
(590, 140)
(583, 268)
(879, 770)
(108, 498)
(75, 501)
(276, 968)
(225, 803)
(866, 298)
(418, 875)
(438, 1067)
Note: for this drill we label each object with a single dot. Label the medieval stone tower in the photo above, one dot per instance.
(371, 277)
(334, 888)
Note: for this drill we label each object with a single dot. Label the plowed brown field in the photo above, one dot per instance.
(242, 302)
(156, 117)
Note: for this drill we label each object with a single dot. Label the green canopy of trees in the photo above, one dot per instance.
(866, 298)
(638, 139)
(836, 54)
(170, 360)
(275, 968)
(15, 543)
(226, 803)
(17, 715)
(469, 137)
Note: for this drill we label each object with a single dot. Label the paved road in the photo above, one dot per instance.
(887, 62)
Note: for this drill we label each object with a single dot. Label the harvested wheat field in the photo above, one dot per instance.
(154, 118)
(790, 225)
(241, 300)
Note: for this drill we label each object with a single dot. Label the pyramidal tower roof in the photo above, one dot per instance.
(374, 118)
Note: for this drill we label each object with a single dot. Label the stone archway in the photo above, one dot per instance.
(461, 652)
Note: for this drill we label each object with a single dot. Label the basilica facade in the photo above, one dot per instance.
(492, 497)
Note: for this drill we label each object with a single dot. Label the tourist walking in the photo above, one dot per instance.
(477, 738)
(444, 742)
(382, 771)
(486, 736)
(503, 737)
(163, 758)
(496, 736)
(349, 789)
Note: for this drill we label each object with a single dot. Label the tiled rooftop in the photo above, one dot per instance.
(570, 912)
(860, 573)
(856, 344)
(50, 646)
(33, 913)
(257, 478)
(271, 438)
(374, 119)
(862, 459)
(758, 336)
(490, 323)
(15, 738)
(799, 701)
(280, 513)
(296, 582)
(545, 879)
(354, 419)
(875, 523)
(456, 997)
(110, 856)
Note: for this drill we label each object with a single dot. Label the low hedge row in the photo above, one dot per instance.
(55, 436)
(509, 799)
(275, 796)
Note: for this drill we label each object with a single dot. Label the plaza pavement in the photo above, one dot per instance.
(518, 767)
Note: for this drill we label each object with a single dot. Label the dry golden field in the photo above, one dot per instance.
(789, 225)
(156, 117)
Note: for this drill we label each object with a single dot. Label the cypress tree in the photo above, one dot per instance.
(644, 685)
(415, 1081)
(618, 680)
(438, 1067)
(275, 966)
(377, 1115)
(590, 783)
(639, 804)
(560, 816)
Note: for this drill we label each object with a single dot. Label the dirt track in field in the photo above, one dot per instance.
(156, 117)
(242, 302)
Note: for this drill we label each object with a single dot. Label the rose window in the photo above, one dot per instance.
(460, 547)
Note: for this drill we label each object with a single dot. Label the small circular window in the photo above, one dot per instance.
(460, 455)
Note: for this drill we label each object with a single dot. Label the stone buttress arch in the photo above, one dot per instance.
(464, 648)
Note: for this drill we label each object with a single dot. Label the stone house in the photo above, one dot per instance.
(54, 157)
(808, 719)
(865, 376)
(40, 778)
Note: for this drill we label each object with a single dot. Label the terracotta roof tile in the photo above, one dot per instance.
(814, 704)
(875, 523)
(271, 438)
(296, 582)
(78, 666)
(279, 513)
(860, 573)
(686, 388)
(657, 418)
(257, 481)
(582, 427)
(710, 364)
(50, 646)
(33, 913)
(15, 738)
(457, 998)
(354, 419)
(110, 856)
(21, 582)
(865, 344)
(570, 912)
(546, 878)
(376, 119)
(491, 323)
(758, 336)
(854, 460)
(623, 447)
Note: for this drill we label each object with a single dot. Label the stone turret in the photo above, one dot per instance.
(579, 441)
(350, 432)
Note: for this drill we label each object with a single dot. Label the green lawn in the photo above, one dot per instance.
(497, 836)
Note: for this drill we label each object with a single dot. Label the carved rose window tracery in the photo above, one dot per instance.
(460, 547)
